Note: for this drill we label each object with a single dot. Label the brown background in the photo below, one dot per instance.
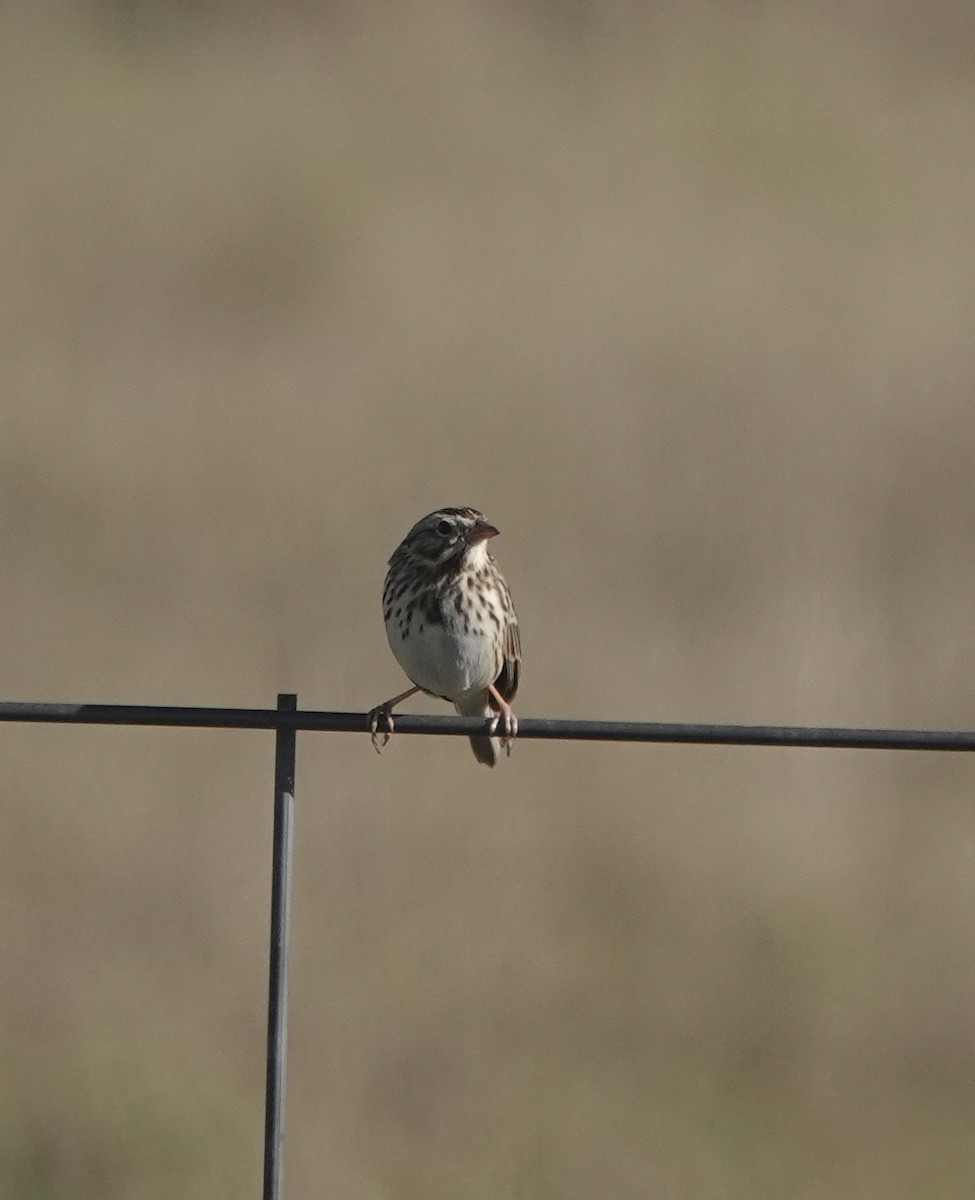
(683, 297)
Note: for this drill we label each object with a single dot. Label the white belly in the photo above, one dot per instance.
(446, 661)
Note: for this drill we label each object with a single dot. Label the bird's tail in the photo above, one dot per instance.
(486, 749)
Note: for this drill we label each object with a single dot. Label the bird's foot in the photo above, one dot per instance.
(507, 720)
(381, 713)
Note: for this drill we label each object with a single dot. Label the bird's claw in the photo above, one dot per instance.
(382, 712)
(509, 731)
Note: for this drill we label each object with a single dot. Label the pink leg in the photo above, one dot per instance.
(384, 712)
(510, 720)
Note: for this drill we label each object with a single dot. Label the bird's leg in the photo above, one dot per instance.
(384, 712)
(510, 720)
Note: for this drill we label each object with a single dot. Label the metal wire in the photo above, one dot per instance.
(286, 720)
(277, 1003)
(528, 727)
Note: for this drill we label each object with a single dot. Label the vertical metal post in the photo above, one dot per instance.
(277, 1003)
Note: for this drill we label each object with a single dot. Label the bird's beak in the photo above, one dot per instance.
(480, 531)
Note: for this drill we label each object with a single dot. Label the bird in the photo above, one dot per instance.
(452, 626)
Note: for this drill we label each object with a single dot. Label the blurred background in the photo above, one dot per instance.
(680, 295)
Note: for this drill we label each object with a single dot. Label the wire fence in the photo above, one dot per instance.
(528, 727)
(286, 720)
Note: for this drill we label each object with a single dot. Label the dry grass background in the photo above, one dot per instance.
(683, 298)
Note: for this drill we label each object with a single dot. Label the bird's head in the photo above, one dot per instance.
(447, 536)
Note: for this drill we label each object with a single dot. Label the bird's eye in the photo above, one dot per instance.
(444, 528)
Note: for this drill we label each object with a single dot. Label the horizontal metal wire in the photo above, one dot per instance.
(528, 727)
